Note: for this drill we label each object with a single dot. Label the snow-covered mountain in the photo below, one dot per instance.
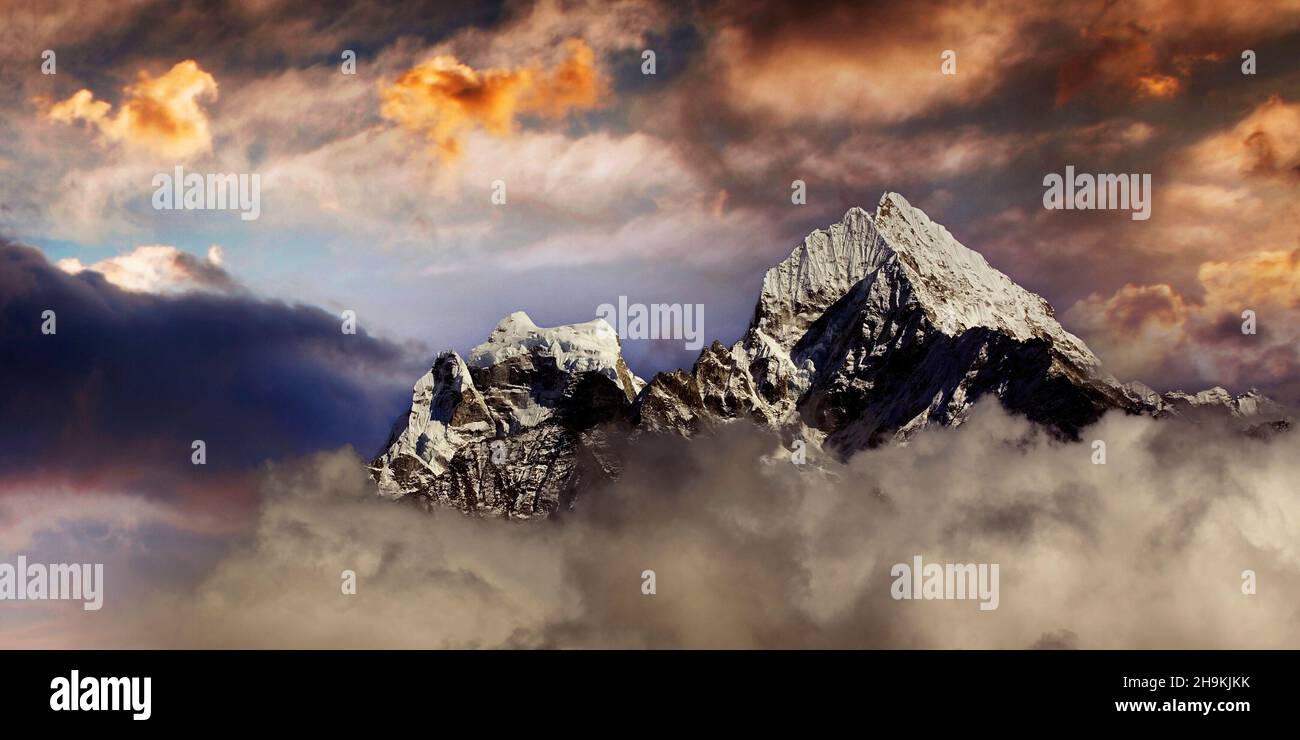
(870, 330)
(514, 430)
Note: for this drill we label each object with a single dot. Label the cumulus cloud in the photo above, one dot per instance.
(1233, 214)
(1157, 331)
(158, 113)
(1146, 551)
(1266, 143)
(443, 97)
(160, 268)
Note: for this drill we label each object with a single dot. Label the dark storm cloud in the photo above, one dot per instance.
(238, 36)
(129, 380)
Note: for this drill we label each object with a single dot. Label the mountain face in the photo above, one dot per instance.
(870, 330)
(517, 429)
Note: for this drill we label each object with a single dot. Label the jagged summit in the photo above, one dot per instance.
(509, 431)
(960, 290)
(576, 348)
(954, 285)
(871, 329)
(817, 273)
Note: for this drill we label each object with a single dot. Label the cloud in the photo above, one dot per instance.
(158, 113)
(1120, 59)
(797, 62)
(31, 29)
(1133, 329)
(922, 157)
(540, 29)
(442, 97)
(1154, 49)
(1156, 331)
(239, 35)
(1232, 211)
(115, 396)
(1107, 138)
(159, 268)
(28, 517)
(1266, 144)
(1146, 551)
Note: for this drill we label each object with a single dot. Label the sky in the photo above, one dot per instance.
(376, 196)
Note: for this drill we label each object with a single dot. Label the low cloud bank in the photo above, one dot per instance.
(1146, 551)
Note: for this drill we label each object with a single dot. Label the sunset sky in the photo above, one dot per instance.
(674, 187)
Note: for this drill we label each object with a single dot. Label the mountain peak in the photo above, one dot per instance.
(576, 348)
(870, 330)
(954, 285)
(960, 290)
(818, 272)
(501, 433)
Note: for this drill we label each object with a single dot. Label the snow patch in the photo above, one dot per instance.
(577, 348)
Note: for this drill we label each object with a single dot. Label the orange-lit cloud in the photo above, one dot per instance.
(1133, 328)
(1266, 143)
(1233, 246)
(1264, 279)
(443, 97)
(840, 62)
(1119, 62)
(1149, 49)
(158, 113)
(1157, 85)
(843, 61)
(1141, 328)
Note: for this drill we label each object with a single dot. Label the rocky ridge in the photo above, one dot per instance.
(870, 330)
